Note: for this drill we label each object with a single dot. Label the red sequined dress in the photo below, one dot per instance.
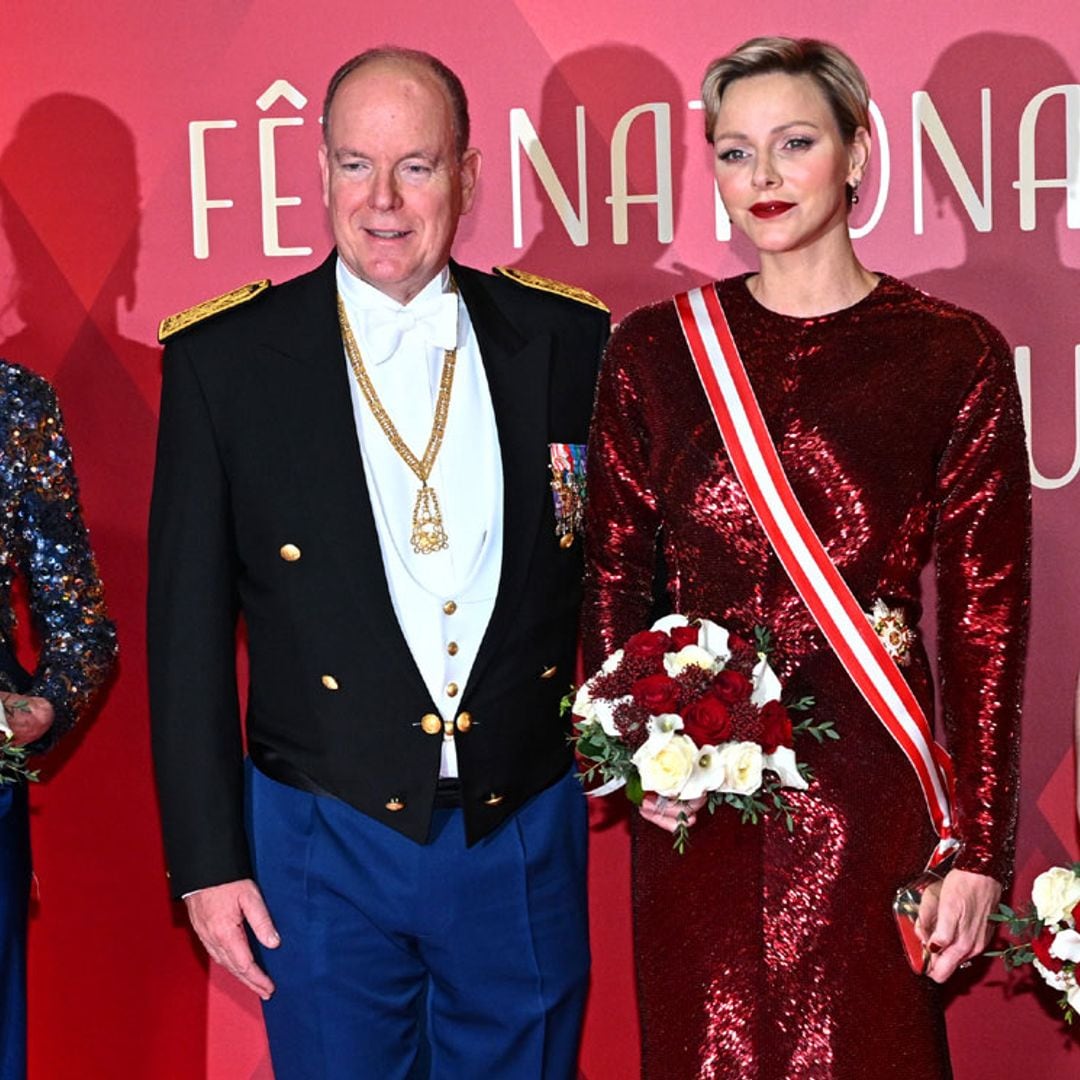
(763, 954)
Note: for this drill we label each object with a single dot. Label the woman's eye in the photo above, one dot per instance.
(732, 155)
(799, 142)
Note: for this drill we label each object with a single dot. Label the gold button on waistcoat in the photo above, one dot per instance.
(493, 799)
(451, 689)
(330, 682)
(464, 721)
(431, 724)
(448, 728)
(452, 648)
(289, 552)
(566, 540)
(395, 803)
(449, 607)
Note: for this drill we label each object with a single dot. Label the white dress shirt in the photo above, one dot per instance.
(443, 600)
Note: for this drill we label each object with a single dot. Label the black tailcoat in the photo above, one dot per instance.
(258, 449)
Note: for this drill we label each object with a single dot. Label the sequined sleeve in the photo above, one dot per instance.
(47, 541)
(982, 543)
(623, 512)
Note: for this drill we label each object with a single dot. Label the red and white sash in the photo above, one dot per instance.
(832, 604)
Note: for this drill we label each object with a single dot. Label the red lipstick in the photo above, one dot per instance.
(770, 209)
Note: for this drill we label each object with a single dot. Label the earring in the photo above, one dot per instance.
(855, 191)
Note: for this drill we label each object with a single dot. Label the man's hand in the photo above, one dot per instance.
(954, 920)
(218, 914)
(665, 812)
(28, 717)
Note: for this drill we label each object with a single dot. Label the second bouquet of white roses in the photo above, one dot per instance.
(687, 709)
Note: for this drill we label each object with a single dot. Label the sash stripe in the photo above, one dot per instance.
(836, 611)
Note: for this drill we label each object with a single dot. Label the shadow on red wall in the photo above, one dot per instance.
(103, 930)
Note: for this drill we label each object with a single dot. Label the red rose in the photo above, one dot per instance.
(731, 686)
(775, 727)
(648, 645)
(736, 643)
(656, 693)
(1041, 948)
(707, 721)
(681, 636)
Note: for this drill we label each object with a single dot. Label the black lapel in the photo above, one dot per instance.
(517, 369)
(326, 453)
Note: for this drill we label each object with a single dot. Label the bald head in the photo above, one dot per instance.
(406, 58)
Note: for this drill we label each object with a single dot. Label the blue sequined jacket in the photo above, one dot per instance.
(42, 536)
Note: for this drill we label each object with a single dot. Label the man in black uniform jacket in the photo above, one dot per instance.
(359, 461)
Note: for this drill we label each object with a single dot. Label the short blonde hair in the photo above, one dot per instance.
(838, 76)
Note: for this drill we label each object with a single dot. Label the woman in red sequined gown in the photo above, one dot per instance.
(766, 954)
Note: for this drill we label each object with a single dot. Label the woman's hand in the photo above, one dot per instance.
(28, 717)
(954, 920)
(665, 812)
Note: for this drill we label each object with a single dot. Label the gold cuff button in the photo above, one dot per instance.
(449, 607)
(395, 803)
(493, 799)
(464, 721)
(289, 552)
(452, 648)
(566, 540)
(452, 689)
(431, 724)
(330, 682)
(549, 673)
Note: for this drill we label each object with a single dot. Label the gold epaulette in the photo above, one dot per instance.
(559, 288)
(183, 319)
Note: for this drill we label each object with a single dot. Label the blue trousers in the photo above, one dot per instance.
(400, 960)
(14, 911)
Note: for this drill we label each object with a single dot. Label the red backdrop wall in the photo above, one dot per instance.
(150, 157)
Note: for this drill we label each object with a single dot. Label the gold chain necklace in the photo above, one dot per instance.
(428, 534)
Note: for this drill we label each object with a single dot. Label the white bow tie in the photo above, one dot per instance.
(433, 320)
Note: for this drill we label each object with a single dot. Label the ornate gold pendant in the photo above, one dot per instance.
(428, 534)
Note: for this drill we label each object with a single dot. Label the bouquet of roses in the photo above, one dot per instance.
(13, 767)
(1047, 934)
(687, 709)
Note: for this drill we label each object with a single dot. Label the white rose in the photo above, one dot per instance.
(5, 731)
(714, 638)
(665, 762)
(1066, 946)
(688, 656)
(766, 685)
(782, 762)
(1056, 892)
(742, 763)
(707, 774)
